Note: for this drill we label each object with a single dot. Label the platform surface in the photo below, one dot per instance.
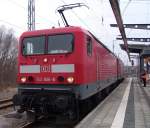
(128, 106)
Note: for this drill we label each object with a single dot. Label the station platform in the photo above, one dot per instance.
(128, 106)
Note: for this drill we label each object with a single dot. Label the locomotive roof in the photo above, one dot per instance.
(53, 31)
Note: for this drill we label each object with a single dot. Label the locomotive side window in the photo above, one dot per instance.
(89, 46)
(33, 45)
(60, 43)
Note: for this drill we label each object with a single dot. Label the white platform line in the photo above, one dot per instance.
(120, 115)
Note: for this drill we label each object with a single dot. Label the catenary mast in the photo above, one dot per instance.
(31, 15)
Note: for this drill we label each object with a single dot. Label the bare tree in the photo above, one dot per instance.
(8, 55)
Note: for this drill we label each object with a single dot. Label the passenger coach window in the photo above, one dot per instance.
(60, 43)
(89, 46)
(33, 45)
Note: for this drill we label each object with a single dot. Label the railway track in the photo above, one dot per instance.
(6, 103)
(30, 124)
(33, 125)
(42, 122)
(27, 125)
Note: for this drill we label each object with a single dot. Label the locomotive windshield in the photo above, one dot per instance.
(57, 44)
(60, 43)
(34, 45)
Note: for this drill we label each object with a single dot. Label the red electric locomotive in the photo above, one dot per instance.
(59, 67)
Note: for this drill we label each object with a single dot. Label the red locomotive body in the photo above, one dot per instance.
(59, 67)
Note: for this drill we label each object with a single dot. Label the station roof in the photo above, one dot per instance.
(135, 48)
(117, 13)
(145, 53)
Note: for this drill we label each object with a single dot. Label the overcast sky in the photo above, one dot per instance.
(14, 15)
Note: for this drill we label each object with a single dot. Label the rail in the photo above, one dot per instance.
(27, 125)
(6, 103)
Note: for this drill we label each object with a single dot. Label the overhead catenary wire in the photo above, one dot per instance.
(11, 24)
(21, 6)
(123, 12)
(103, 25)
(101, 18)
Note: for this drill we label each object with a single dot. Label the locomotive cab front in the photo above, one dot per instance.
(47, 63)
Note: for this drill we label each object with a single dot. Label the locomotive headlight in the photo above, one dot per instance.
(70, 80)
(23, 79)
(45, 60)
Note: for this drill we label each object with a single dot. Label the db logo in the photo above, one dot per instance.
(45, 68)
